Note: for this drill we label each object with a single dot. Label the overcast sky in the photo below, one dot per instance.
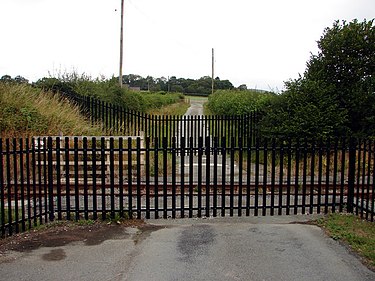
(257, 43)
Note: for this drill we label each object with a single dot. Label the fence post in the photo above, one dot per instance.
(2, 191)
(50, 180)
(351, 175)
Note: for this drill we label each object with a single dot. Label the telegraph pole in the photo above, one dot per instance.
(213, 70)
(121, 41)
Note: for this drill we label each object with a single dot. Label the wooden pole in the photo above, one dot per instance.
(213, 70)
(121, 41)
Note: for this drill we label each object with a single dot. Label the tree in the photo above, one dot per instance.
(242, 87)
(6, 78)
(307, 109)
(18, 79)
(336, 94)
(21, 80)
(132, 80)
(162, 84)
(150, 82)
(200, 86)
(346, 62)
(223, 84)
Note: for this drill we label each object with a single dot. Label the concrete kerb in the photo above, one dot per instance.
(302, 219)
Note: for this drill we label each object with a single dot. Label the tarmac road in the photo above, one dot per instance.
(196, 106)
(251, 248)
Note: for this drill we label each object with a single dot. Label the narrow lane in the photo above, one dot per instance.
(192, 164)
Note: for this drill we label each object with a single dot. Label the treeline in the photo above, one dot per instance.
(202, 86)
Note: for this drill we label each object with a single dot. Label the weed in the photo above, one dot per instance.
(85, 222)
(118, 218)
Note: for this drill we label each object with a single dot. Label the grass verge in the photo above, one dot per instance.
(353, 231)
(175, 109)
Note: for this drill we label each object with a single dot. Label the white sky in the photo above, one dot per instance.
(260, 43)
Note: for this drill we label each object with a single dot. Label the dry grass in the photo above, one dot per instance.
(26, 112)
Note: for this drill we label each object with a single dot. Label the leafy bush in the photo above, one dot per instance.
(306, 109)
(338, 85)
(336, 94)
(160, 99)
(235, 102)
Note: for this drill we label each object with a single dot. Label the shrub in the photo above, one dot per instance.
(306, 109)
(235, 102)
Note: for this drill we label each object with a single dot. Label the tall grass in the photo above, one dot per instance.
(26, 111)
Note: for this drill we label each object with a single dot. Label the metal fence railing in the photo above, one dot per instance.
(50, 178)
(119, 121)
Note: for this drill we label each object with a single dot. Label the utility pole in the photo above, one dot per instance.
(213, 71)
(121, 41)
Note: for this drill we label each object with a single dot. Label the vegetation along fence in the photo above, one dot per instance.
(44, 179)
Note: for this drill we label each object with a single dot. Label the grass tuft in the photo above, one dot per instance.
(357, 233)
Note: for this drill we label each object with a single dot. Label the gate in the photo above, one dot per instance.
(100, 177)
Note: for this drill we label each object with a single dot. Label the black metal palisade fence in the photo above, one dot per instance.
(43, 179)
(120, 121)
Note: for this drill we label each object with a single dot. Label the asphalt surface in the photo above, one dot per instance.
(196, 107)
(247, 248)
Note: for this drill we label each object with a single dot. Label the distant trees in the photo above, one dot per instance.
(18, 79)
(182, 85)
(242, 87)
(6, 79)
(201, 86)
